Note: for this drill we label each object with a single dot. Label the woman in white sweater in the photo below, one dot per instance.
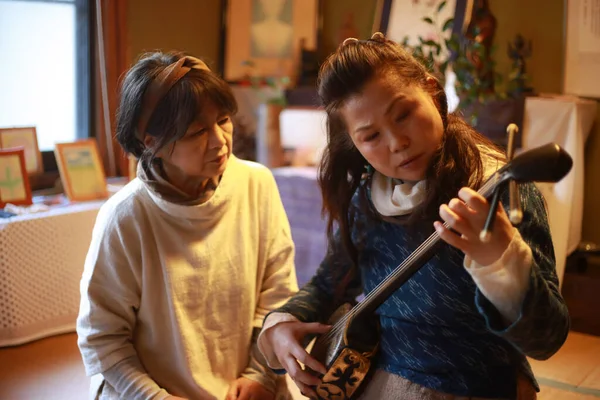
(189, 257)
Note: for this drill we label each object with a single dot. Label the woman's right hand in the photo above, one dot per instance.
(285, 339)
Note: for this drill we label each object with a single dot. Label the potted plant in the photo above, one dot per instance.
(271, 94)
(470, 57)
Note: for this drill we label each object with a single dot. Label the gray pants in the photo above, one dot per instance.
(101, 390)
(386, 386)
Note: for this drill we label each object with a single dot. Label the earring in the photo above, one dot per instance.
(369, 169)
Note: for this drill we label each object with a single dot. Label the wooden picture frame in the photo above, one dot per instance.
(398, 19)
(25, 137)
(265, 42)
(14, 180)
(81, 170)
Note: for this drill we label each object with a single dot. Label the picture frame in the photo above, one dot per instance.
(25, 137)
(267, 36)
(14, 179)
(398, 19)
(81, 170)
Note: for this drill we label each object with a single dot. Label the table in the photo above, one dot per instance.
(41, 262)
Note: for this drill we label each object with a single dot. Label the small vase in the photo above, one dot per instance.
(268, 140)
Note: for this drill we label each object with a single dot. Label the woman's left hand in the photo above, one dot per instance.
(247, 389)
(466, 216)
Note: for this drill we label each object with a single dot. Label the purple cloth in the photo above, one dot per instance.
(302, 201)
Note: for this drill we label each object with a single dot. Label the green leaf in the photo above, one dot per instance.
(449, 24)
(452, 45)
(441, 6)
(428, 20)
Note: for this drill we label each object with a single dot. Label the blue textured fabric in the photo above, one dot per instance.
(438, 330)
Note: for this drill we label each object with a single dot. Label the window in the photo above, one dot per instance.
(44, 68)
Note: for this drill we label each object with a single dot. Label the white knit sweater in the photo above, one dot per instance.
(182, 287)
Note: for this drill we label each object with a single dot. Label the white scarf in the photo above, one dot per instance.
(392, 197)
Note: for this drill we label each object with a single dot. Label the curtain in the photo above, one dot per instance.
(110, 59)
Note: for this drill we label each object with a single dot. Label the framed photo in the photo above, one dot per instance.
(399, 19)
(14, 181)
(266, 36)
(25, 137)
(81, 170)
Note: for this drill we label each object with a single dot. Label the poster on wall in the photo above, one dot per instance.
(405, 19)
(264, 37)
(589, 26)
(582, 58)
(400, 19)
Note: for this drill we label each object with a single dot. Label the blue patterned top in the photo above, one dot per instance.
(438, 330)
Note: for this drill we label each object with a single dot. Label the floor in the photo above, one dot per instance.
(50, 369)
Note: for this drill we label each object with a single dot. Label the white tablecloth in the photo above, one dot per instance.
(566, 121)
(41, 261)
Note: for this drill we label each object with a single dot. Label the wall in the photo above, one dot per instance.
(194, 25)
(189, 25)
(541, 22)
(334, 12)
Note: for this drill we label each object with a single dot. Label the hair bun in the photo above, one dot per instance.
(349, 40)
(378, 37)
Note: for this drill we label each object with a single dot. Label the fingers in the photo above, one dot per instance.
(306, 390)
(478, 203)
(315, 327)
(455, 221)
(290, 352)
(244, 394)
(450, 237)
(474, 200)
(298, 374)
(306, 359)
(459, 207)
(301, 378)
(233, 392)
(301, 354)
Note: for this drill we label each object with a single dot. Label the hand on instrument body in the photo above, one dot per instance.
(466, 215)
(285, 339)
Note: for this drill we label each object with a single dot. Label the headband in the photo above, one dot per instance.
(160, 86)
